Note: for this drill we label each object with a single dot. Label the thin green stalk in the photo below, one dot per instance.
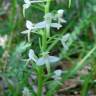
(47, 8)
(70, 3)
(80, 64)
(40, 82)
(44, 46)
(12, 24)
(44, 41)
(84, 91)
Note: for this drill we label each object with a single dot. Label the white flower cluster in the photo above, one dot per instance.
(50, 20)
(47, 23)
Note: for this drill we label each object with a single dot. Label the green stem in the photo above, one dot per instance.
(69, 3)
(44, 41)
(84, 91)
(40, 83)
(44, 47)
(47, 8)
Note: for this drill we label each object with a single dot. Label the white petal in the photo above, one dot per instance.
(41, 61)
(58, 72)
(53, 59)
(26, 92)
(27, 1)
(40, 25)
(64, 41)
(38, 1)
(25, 32)
(56, 25)
(65, 37)
(62, 20)
(32, 55)
(60, 12)
(25, 6)
(29, 25)
(48, 59)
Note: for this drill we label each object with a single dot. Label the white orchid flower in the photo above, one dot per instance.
(42, 60)
(64, 41)
(48, 21)
(59, 16)
(26, 92)
(32, 55)
(3, 41)
(30, 27)
(45, 24)
(60, 12)
(27, 4)
(57, 74)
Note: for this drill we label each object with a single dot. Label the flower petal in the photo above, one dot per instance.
(32, 55)
(53, 59)
(25, 32)
(29, 25)
(41, 61)
(38, 1)
(27, 1)
(65, 37)
(58, 72)
(40, 25)
(56, 25)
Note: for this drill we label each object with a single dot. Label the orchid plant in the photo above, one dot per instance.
(42, 29)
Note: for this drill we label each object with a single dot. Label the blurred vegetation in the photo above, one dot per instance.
(81, 23)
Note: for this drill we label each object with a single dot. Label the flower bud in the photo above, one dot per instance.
(60, 12)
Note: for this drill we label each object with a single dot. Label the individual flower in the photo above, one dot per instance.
(26, 92)
(42, 60)
(60, 12)
(32, 55)
(29, 25)
(57, 74)
(33, 27)
(27, 4)
(47, 60)
(47, 23)
(30, 28)
(64, 41)
(59, 16)
(3, 40)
